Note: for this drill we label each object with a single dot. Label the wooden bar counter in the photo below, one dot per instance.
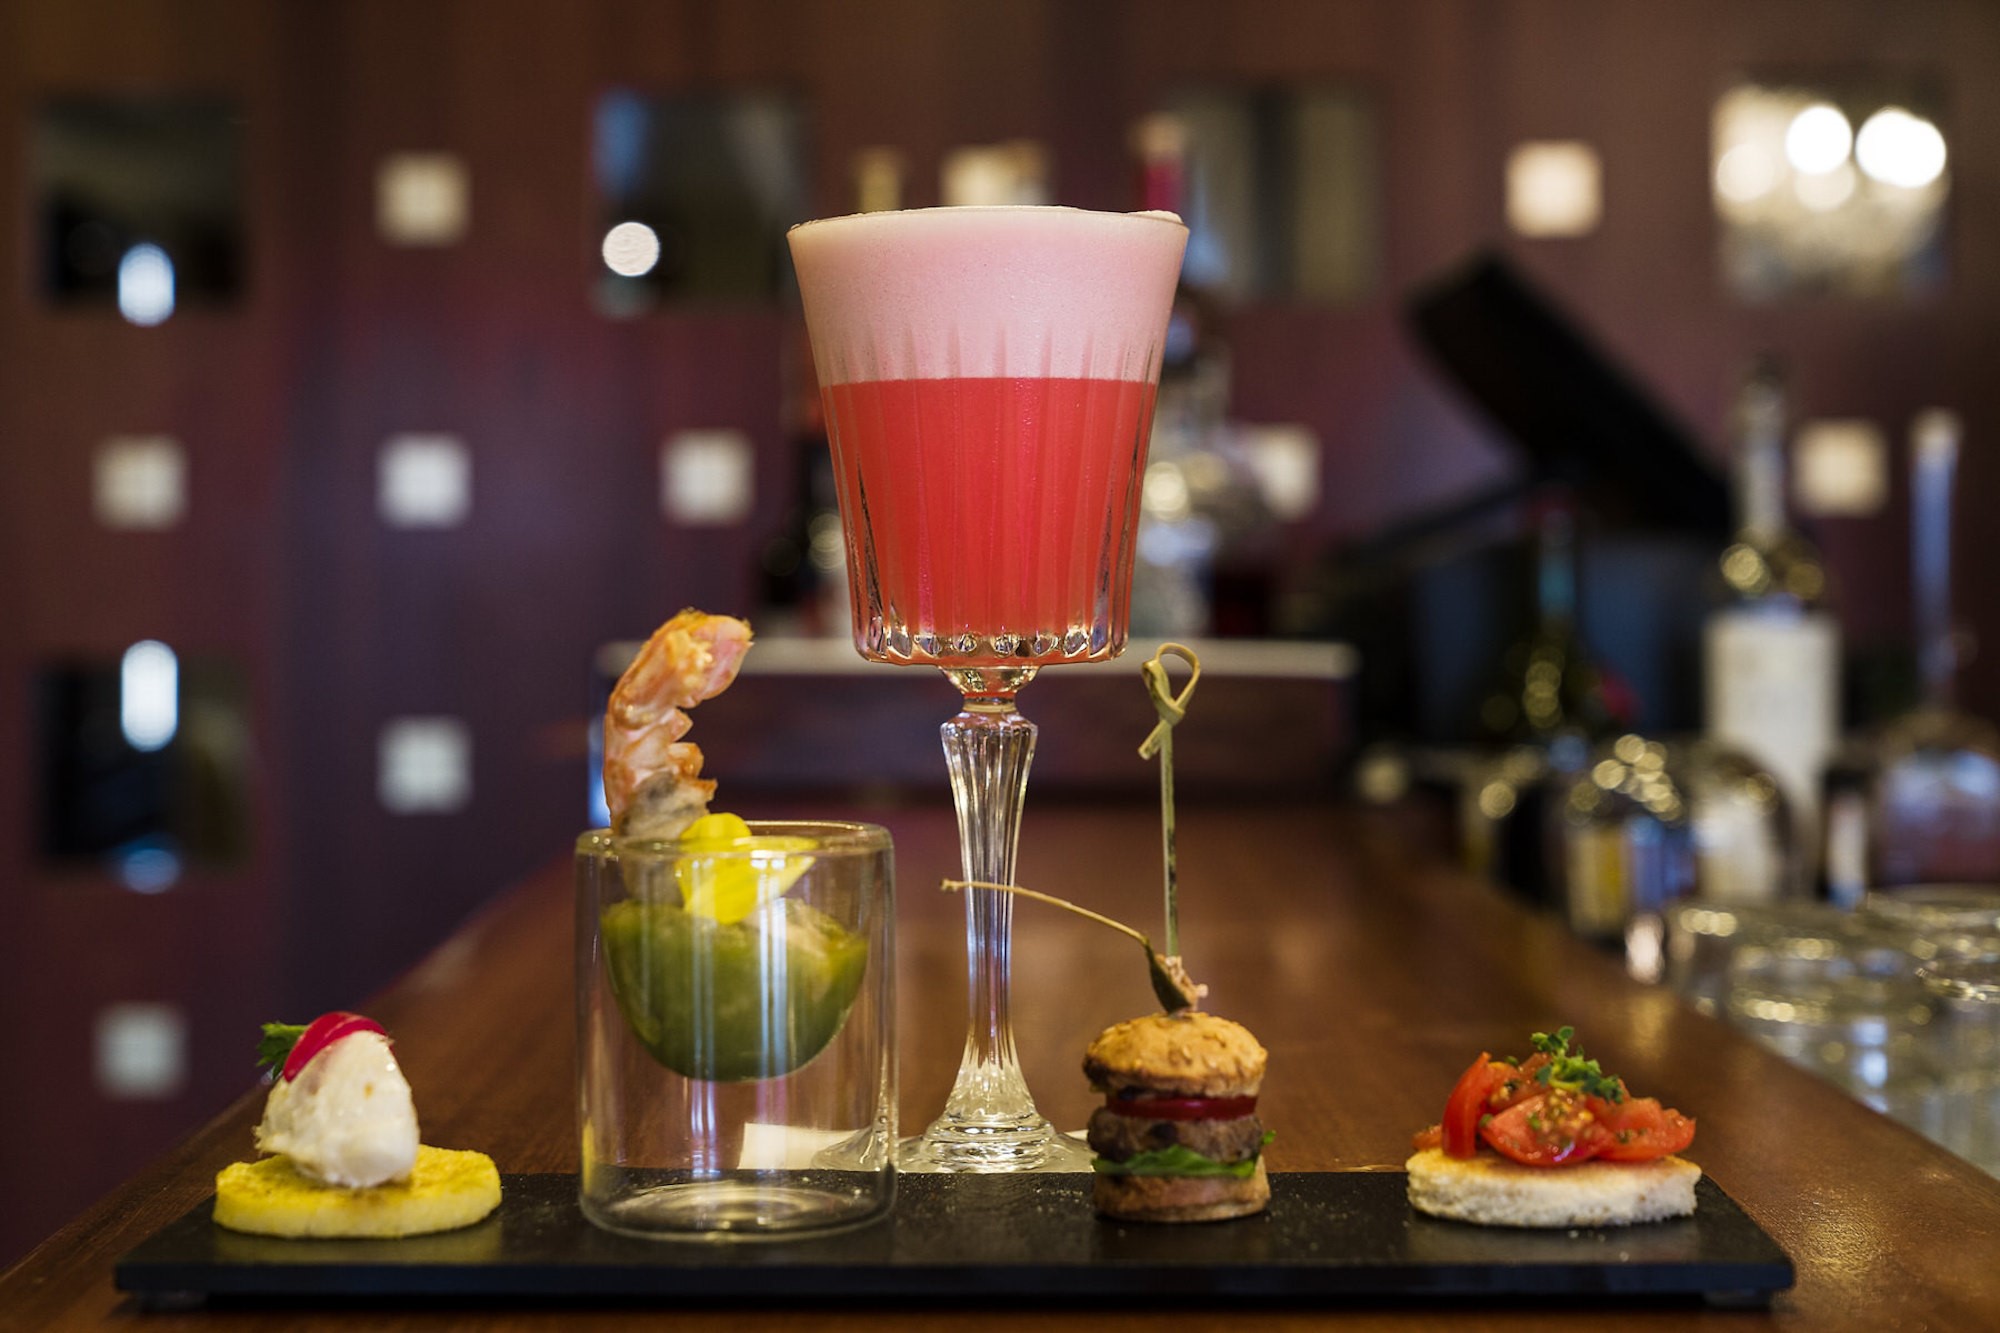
(1372, 972)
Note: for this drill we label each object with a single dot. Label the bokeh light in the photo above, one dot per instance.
(1897, 148)
(1818, 139)
(149, 691)
(146, 285)
(631, 249)
(1825, 191)
(1747, 173)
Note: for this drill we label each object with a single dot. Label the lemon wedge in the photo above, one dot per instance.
(729, 886)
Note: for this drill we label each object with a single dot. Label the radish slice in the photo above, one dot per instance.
(323, 1032)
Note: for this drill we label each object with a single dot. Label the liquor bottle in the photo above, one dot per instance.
(1771, 651)
(1935, 805)
(1550, 690)
(1628, 849)
(1549, 706)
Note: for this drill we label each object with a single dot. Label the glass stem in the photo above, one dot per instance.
(988, 748)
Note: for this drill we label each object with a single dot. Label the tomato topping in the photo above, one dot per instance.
(1552, 1109)
(1549, 1130)
(1639, 1129)
(1468, 1102)
(321, 1033)
(1182, 1108)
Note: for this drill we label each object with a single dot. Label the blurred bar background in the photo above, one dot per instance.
(370, 370)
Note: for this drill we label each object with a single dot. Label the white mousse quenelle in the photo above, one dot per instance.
(341, 1109)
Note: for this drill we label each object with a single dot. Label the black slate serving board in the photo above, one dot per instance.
(1329, 1238)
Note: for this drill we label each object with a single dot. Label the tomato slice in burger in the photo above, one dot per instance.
(1469, 1101)
(1639, 1129)
(1182, 1108)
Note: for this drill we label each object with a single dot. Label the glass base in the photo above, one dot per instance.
(977, 1147)
(739, 1209)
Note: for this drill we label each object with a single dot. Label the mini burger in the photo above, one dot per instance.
(1177, 1139)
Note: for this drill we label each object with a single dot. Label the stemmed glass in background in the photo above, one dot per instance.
(988, 377)
(1924, 798)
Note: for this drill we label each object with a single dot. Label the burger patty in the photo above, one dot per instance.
(1118, 1137)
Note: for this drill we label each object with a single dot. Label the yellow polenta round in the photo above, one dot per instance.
(445, 1189)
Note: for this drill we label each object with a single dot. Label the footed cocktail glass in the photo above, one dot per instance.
(988, 377)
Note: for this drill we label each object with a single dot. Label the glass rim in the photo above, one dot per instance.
(832, 837)
(1760, 922)
(1976, 979)
(1891, 1001)
(1934, 898)
(959, 210)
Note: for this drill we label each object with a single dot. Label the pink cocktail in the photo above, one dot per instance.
(998, 515)
(988, 377)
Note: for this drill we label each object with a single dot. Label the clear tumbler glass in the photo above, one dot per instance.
(736, 1058)
(1967, 991)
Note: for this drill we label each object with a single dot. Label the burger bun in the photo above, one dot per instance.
(1184, 1054)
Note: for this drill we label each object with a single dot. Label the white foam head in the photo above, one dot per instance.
(937, 293)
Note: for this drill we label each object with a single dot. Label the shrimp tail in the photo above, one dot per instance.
(652, 779)
(665, 804)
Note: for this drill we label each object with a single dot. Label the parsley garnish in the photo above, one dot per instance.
(1568, 1069)
(275, 1047)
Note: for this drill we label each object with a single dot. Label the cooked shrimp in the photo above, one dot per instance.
(652, 778)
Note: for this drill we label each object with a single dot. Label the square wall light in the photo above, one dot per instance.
(424, 481)
(1555, 188)
(1017, 172)
(707, 478)
(424, 765)
(1840, 468)
(140, 482)
(141, 1051)
(423, 199)
(1285, 459)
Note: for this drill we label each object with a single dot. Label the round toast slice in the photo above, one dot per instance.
(1493, 1191)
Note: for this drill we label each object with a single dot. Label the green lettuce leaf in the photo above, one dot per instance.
(1177, 1160)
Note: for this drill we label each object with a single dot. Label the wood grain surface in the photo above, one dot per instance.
(1372, 972)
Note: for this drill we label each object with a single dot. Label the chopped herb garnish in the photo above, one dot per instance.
(1567, 1067)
